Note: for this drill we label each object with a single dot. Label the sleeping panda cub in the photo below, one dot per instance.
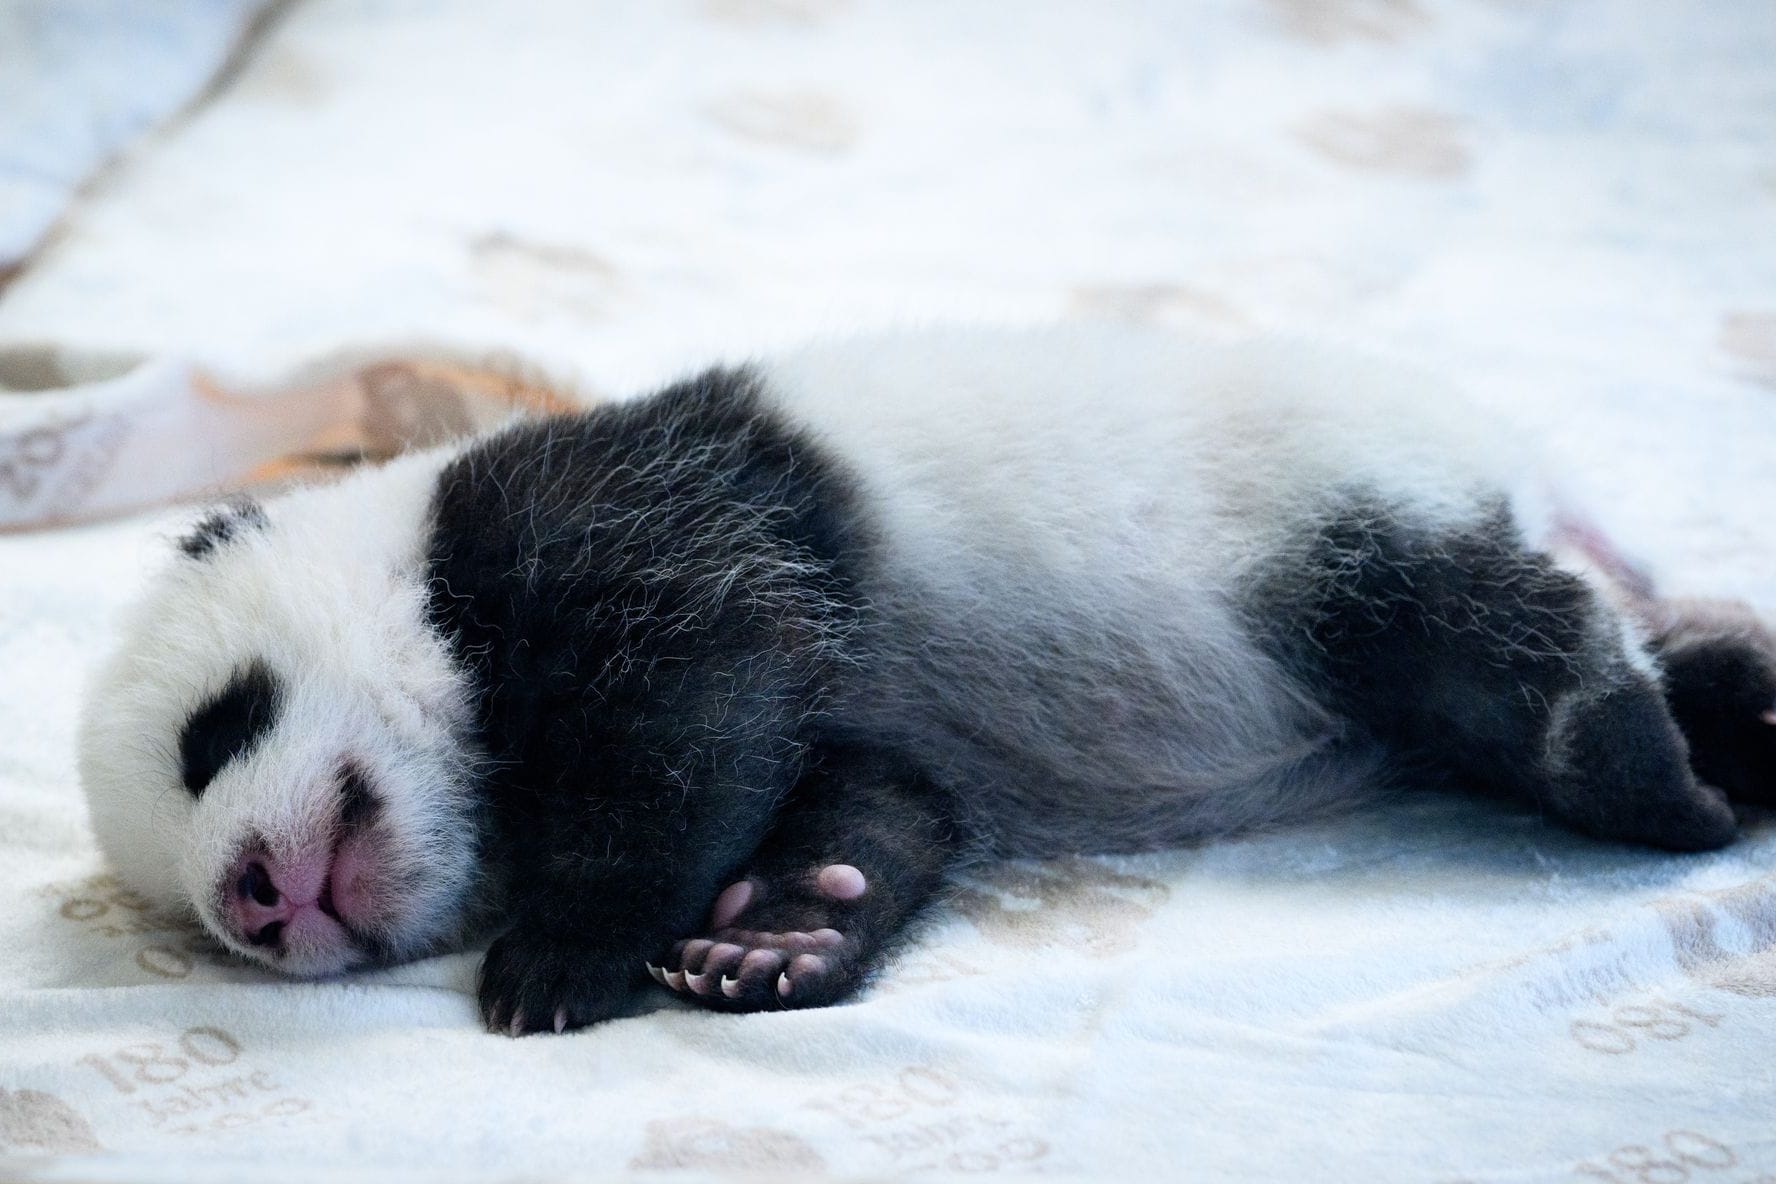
(716, 684)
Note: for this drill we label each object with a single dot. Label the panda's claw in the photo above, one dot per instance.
(792, 943)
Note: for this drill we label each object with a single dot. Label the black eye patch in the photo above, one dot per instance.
(227, 726)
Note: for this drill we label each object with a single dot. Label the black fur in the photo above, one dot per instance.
(1720, 682)
(358, 803)
(653, 599)
(227, 726)
(1472, 657)
(222, 524)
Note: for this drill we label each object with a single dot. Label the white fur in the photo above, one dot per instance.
(1110, 450)
(330, 596)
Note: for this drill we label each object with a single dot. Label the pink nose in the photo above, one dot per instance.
(264, 893)
(258, 908)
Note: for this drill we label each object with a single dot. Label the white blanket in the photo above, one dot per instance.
(1570, 203)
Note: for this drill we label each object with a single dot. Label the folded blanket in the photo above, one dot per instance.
(100, 434)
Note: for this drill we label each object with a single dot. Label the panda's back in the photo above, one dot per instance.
(1072, 533)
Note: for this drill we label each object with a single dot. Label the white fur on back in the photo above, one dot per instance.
(1106, 449)
(1069, 520)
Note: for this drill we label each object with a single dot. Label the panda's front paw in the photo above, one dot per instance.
(536, 983)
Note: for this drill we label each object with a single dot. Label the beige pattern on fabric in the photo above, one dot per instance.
(31, 1120)
(807, 121)
(1156, 303)
(535, 279)
(1333, 22)
(1081, 904)
(767, 12)
(1727, 939)
(1749, 338)
(1404, 141)
(688, 1143)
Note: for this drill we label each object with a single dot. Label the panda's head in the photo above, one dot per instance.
(279, 743)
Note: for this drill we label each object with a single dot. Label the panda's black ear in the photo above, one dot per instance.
(225, 522)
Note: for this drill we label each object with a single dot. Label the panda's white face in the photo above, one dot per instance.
(278, 746)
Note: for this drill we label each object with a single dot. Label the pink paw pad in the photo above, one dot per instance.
(768, 945)
(730, 904)
(802, 966)
(841, 881)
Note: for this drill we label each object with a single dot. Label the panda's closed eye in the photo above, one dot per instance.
(227, 726)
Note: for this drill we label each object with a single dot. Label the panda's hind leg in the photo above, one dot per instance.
(1614, 764)
(1472, 656)
(1719, 670)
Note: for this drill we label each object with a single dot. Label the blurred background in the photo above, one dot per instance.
(1571, 204)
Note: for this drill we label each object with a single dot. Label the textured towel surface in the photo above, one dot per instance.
(1570, 203)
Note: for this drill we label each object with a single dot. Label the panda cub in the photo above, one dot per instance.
(716, 684)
